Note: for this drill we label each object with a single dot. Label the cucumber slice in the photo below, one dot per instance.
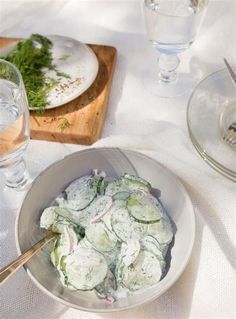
(64, 245)
(80, 184)
(127, 183)
(56, 218)
(62, 222)
(54, 257)
(84, 243)
(63, 264)
(117, 204)
(112, 256)
(85, 268)
(79, 204)
(101, 206)
(62, 272)
(115, 187)
(98, 207)
(139, 228)
(48, 217)
(83, 217)
(161, 230)
(164, 248)
(67, 215)
(125, 226)
(107, 287)
(136, 183)
(123, 195)
(143, 208)
(100, 237)
(146, 271)
(58, 199)
(122, 225)
(151, 244)
(129, 252)
(81, 192)
(107, 221)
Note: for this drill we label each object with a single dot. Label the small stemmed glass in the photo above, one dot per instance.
(172, 26)
(14, 133)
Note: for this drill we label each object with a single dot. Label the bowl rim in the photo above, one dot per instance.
(145, 300)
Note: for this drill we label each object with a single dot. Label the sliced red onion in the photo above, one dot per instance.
(109, 300)
(70, 240)
(95, 173)
(107, 208)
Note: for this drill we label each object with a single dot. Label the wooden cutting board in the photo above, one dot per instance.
(86, 114)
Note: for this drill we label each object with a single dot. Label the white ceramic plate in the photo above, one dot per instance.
(115, 162)
(73, 58)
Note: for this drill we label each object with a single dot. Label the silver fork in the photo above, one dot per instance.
(231, 71)
(230, 134)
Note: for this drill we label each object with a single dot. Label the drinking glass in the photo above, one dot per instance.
(172, 26)
(14, 130)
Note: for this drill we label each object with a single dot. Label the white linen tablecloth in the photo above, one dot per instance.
(138, 120)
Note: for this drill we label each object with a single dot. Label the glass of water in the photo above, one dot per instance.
(172, 26)
(14, 129)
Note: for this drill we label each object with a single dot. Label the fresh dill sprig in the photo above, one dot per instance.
(33, 57)
(30, 56)
(63, 74)
(64, 123)
(64, 57)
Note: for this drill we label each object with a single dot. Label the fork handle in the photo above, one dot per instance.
(11, 268)
(231, 71)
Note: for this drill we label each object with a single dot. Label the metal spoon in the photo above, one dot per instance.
(11, 268)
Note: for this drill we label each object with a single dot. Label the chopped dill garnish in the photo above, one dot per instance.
(64, 57)
(33, 57)
(64, 124)
(59, 73)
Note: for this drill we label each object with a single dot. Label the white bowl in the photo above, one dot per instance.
(114, 162)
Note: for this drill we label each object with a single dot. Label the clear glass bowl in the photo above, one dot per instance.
(208, 118)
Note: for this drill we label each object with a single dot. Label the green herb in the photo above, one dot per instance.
(6, 73)
(30, 56)
(59, 73)
(64, 57)
(33, 57)
(64, 124)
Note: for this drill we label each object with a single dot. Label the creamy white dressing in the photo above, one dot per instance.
(114, 235)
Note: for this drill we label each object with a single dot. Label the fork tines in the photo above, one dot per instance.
(230, 135)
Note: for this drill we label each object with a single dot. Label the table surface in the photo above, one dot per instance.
(138, 120)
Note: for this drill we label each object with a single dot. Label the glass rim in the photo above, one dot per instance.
(21, 83)
(180, 16)
(207, 77)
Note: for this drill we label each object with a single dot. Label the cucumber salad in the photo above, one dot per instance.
(113, 235)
